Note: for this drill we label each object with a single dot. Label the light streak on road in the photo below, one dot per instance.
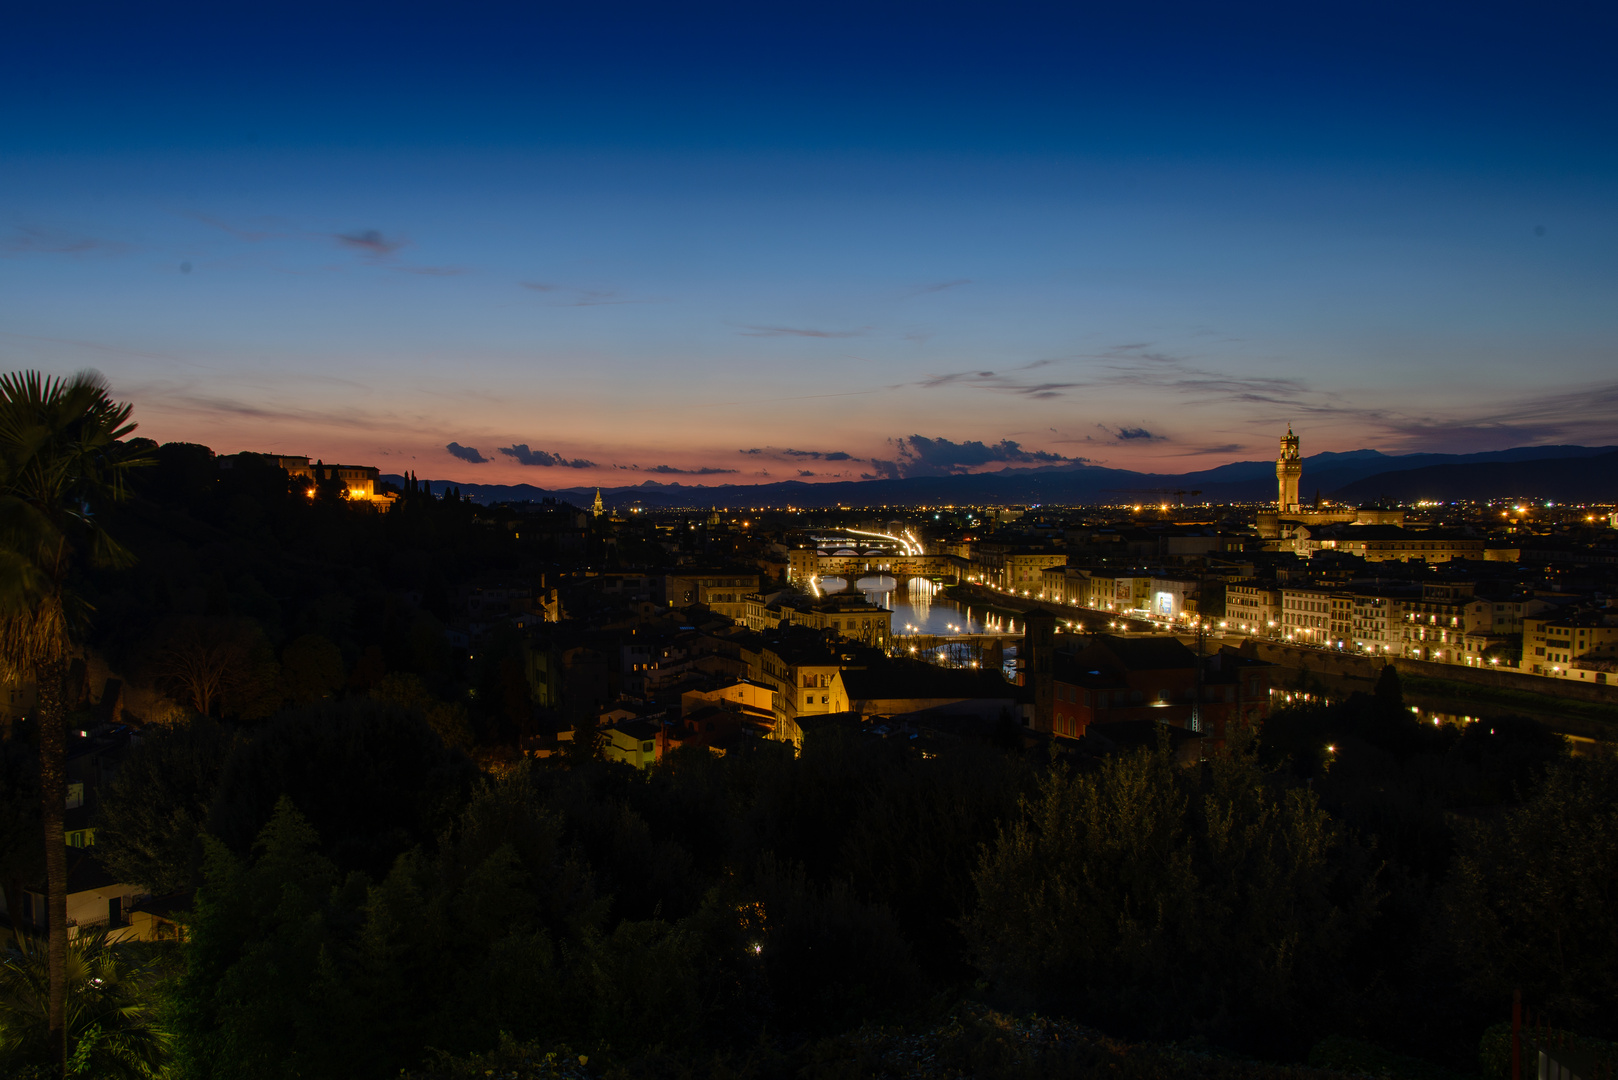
(901, 541)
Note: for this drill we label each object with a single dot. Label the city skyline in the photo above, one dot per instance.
(736, 247)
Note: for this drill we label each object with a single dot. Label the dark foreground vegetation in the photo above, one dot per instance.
(377, 883)
(367, 901)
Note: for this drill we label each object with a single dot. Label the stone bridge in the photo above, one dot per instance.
(923, 642)
(899, 567)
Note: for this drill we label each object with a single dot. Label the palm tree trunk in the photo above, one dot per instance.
(52, 809)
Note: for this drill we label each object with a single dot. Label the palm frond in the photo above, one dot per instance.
(33, 637)
(62, 457)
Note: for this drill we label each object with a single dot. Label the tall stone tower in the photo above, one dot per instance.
(1288, 470)
(598, 508)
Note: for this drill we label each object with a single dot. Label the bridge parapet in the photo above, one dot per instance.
(896, 566)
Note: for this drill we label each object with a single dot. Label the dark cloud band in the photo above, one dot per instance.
(466, 453)
(525, 456)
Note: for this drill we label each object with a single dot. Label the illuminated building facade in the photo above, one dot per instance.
(1581, 648)
(1370, 630)
(801, 673)
(848, 615)
(359, 481)
(1290, 515)
(1288, 473)
(1306, 615)
(1385, 543)
(722, 591)
(1014, 567)
(1252, 606)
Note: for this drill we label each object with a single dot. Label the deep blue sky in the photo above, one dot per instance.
(654, 237)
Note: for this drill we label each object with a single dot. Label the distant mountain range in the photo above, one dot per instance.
(1559, 473)
(1567, 479)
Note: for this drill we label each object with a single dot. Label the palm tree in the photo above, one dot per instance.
(61, 459)
(112, 1012)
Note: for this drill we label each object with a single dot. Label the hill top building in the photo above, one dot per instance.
(359, 481)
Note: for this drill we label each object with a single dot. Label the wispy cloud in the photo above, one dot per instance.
(369, 242)
(1588, 414)
(749, 330)
(525, 456)
(466, 453)
(38, 240)
(263, 228)
(372, 244)
(937, 287)
(569, 296)
(1198, 451)
(782, 455)
(282, 410)
(1139, 365)
(1134, 365)
(432, 271)
(672, 470)
(171, 398)
(1007, 382)
(1143, 352)
(92, 346)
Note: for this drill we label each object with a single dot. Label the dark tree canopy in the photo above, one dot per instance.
(152, 815)
(1533, 897)
(371, 778)
(312, 669)
(1167, 902)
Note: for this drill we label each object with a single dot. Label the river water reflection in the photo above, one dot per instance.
(919, 609)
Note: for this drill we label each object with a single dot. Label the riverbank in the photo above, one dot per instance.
(979, 596)
(1580, 711)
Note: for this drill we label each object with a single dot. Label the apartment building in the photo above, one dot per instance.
(1581, 647)
(1306, 614)
(1014, 567)
(1374, 624)
(1252, 606)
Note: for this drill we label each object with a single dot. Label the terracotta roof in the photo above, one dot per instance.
(922, 681)
(1148, 653)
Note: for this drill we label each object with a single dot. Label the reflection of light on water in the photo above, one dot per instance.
(997, 624)
(920, 593)
(917, 609)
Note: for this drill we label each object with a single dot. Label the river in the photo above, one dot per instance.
(919, 609)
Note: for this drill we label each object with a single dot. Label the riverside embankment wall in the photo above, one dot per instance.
(1351, 665)
(1584, 712)
(1475, 690)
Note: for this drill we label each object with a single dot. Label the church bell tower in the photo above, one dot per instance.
(1288, 471)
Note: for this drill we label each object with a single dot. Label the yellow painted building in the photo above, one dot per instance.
(1579, 648)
